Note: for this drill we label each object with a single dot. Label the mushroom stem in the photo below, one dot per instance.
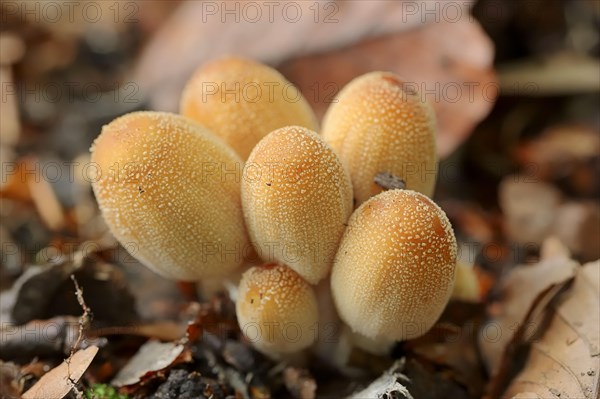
(376, 346)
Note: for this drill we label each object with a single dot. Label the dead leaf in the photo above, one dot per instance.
(568, 155)
(272, 38)
(557, 148)
(455, 353)
(43, 292)
(577, 224)
(458, 81)
(23, 185)
(160, 330)
(11, 384)
(529, 207)
(471, 220)
(14, 185)
(153, 356)
(426, 382)
(33, 290)
(451, 346)
(565, 362)
(525, 293)
(157, 298)
(46, 202)
(59, 381)
(52, 337)
(389, 38)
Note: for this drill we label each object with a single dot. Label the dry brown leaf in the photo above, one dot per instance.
(45, 200)
(458, 81)
(558, 147)
(59, 381)
(454, 352)
(529, 208)
(14, 179)
(525, 293)
(566, 154)
(153, 356)
(52, 337)
(161, 330)
(565, 362)
(577, 224)
(450, 58)
(11, 380)
(450, 348)
(470, 219)
(272, 38)
(44, 291)
(23, 185)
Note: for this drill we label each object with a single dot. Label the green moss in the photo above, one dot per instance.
(103, 391)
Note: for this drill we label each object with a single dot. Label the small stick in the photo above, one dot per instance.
(84, 322)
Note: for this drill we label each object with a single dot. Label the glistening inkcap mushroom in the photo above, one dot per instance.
(243, 100)
(276, 309)
(380, 124)
(297, 198)
(161, 193)
(394, 270)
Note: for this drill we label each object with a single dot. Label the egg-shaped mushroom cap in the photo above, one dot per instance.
(379, 123)
(394, 270)
(243, 100)
(297, 198)
(170, 192)
(276, 309)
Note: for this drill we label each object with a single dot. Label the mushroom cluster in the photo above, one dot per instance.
(242, 173)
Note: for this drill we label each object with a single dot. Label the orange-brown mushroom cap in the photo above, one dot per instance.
(166, 190)
(296, 197)
(276, 309)
(379, 124)
(243, 100)
(394, 270)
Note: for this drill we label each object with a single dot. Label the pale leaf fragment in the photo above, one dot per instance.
(526, 292)
(59, 381)
(565, 362)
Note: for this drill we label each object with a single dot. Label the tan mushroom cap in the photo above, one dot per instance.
(243, 100)
(394, 270)
(164, 194)
(276, 309)
(296, 198)
(378, 124)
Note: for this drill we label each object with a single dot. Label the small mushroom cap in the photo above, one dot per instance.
(394, 270)
(167, 193)
(296, 197)
(276, 309)
(242, 101)
(378, 124)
